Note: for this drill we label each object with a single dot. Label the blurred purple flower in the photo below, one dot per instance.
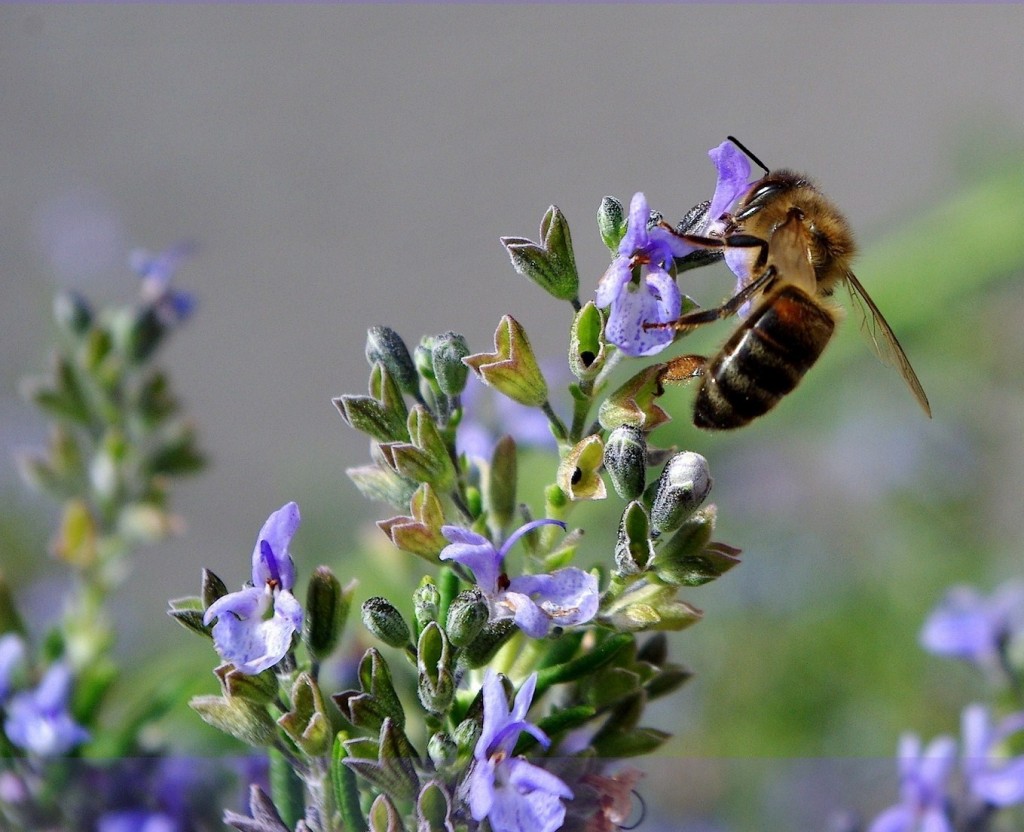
(924, 773)
(38, 720)
(513, 794)
(246, 633)
(535, 602)
(653, 296)
(136, 820)
(12, 653)
(992, 777)
(970, 626)
(156, 271)
(489, 415)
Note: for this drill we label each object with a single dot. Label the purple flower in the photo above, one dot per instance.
(535, 602)
(967, 625)
(733, 181)
(136, 820)
(12, 652)
(650, 296)
(489, 415)
(39, 721)
(255, 626)
(513, 794)
(923, 788)
(991, 776)
(157, 270)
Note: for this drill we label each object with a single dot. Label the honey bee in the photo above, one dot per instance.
(799, 249)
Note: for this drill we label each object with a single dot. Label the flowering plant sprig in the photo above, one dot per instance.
(529, 668)
(118, 439)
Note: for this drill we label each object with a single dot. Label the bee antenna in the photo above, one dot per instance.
(750, 155)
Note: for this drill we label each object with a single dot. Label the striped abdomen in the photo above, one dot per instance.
(764, 359)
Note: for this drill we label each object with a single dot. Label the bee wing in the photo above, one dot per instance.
(883, 340)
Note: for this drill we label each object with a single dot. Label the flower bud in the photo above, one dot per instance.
(466, 734)
(579, 472)
(684, 485)
(237, 717)
(327, 606)
(551, 264)
(72, 313)
(500, 481)
(611, 222)
(383, 816)
(425, 457)
(442, 750)
(625, 459)
(307, 722)
(512, 368)
(446, 358)
(385, 345)
(376, 700)
(426, 600)
(650, 606)
(633, 547)
(482, 649)
(434, 809)
(436, 683)
(467, 616)
(586, 342)
(260, 689)
(633, 403)
(382, 485)
(382, 619)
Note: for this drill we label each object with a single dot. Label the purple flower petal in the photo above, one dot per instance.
(38, 720)
(277, 531)
(733, 177)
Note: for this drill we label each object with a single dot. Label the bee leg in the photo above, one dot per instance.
(705, 316)
(728, 241)
(683, 368)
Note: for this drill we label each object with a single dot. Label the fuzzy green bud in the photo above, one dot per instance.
(500, 481)
(442, 750)
(436, 682)
(611, 223)
(420, 532)
(625, 459)
(586, 342)
(467, 616)
(238, 717)
(307, 722)
(685, 483)
(385, 345)
(633, 547)
(446, 356)
(327, 606)
(425, 457)
(382, 619)
(434, 809)
(426, 600)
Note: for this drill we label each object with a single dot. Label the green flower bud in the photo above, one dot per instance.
(625, 459)
(650, 606)
(579, 472)
(381, 484)
(512, 368)
(684, 485)
(500, 481)
(467, 616)
(376, 700)
(633, 403)
(446, 356)
(633, 547)
(436, 683)
(393, 772)
(426, 600)
(550, 264)
(466, 735)
(382, 619)
(442, 750)
(482, 649)
(611, 222)
(386, 346)
(72, 313)
(586, 342)
(419, 533)
(237, 717)
(384, 817)
(327, 606)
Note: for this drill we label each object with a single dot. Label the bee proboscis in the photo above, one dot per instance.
(800, 247)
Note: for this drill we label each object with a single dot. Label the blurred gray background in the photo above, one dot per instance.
(349, 165)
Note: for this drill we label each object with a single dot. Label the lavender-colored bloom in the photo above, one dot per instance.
(12, 652)
(991, 777)
(38, 720)
(967, 625)
(255, 626)
(923, 788)
(654, 297)
(136, 820)
(535, 602)
(489, 415)
(513, 794)
(156, 272)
